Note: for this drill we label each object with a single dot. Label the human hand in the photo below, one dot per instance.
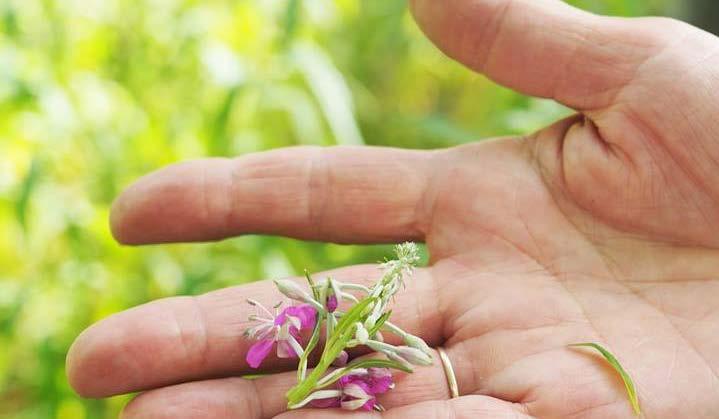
(599, 228)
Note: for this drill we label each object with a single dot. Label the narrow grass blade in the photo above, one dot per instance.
(612, 360)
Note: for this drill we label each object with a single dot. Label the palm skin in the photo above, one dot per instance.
(599, 228)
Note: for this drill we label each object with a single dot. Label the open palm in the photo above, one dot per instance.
(600, 228)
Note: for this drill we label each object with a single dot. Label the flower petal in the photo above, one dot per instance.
(305, 312)
(380, 380)
(354, 404)
(326, 403)
(357, 395)
(358, 390)
(369, 405)
(281, 318)
(258, 352)
(285, 350)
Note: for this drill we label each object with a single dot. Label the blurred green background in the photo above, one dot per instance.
(94, 93)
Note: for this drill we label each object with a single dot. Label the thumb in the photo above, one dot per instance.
(644, 156)
(543, 48)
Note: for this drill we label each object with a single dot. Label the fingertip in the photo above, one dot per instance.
(131, 211)
(118, 220)
(159, 207)
(75, 366)
(183, 202)
(100, 363)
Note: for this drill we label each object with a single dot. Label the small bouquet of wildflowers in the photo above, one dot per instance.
(350, 385)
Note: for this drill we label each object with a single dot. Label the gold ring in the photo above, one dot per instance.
(449, 372)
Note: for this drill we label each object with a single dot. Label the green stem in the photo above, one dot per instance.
(343, 332)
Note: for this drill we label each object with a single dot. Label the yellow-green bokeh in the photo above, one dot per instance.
(94, 93)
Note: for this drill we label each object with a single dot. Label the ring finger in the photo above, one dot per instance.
(265, 397)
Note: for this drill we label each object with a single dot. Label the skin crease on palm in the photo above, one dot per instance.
(602, 228)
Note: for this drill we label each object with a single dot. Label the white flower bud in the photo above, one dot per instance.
(377, 311)
(361, 334)
(291, 289)
(381, 347)
(404, 362)
(417, 343)
(413, 355)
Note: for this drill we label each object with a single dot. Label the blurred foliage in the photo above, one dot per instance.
(94, 93)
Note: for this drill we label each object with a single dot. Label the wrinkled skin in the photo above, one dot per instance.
(602, 227)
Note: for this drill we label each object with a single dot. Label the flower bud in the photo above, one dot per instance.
(404, 362)
(292, 290)
(332, 303)
(341, 359)
(361, 334)
(332, 295)
(413, 355)
(381, 347)
(417, 343)
(377, 311)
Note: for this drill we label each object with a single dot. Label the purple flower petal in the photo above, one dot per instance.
(326, 403)
(347, 379)
(370, 404)
(258, 352)
(281, 318)
(305, 312)
(354, 378)
(332, 303)
(380, 380)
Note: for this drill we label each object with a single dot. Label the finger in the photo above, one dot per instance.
(183, 338)
(225, 398)
(474, 407)
(341, 194)
(544, 47)
(265, 397)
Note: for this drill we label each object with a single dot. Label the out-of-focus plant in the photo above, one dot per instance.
(94, 93)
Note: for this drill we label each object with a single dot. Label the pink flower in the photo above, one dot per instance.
(358, 390)
(283, 328)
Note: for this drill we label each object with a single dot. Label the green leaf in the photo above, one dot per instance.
(313, 286)
(362, 363)
(292, 18)
(347, 322)
(628, 383)
(22, 204)
(218, 140)
(310, 347)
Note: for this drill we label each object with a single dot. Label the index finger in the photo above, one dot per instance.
(342, 194)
